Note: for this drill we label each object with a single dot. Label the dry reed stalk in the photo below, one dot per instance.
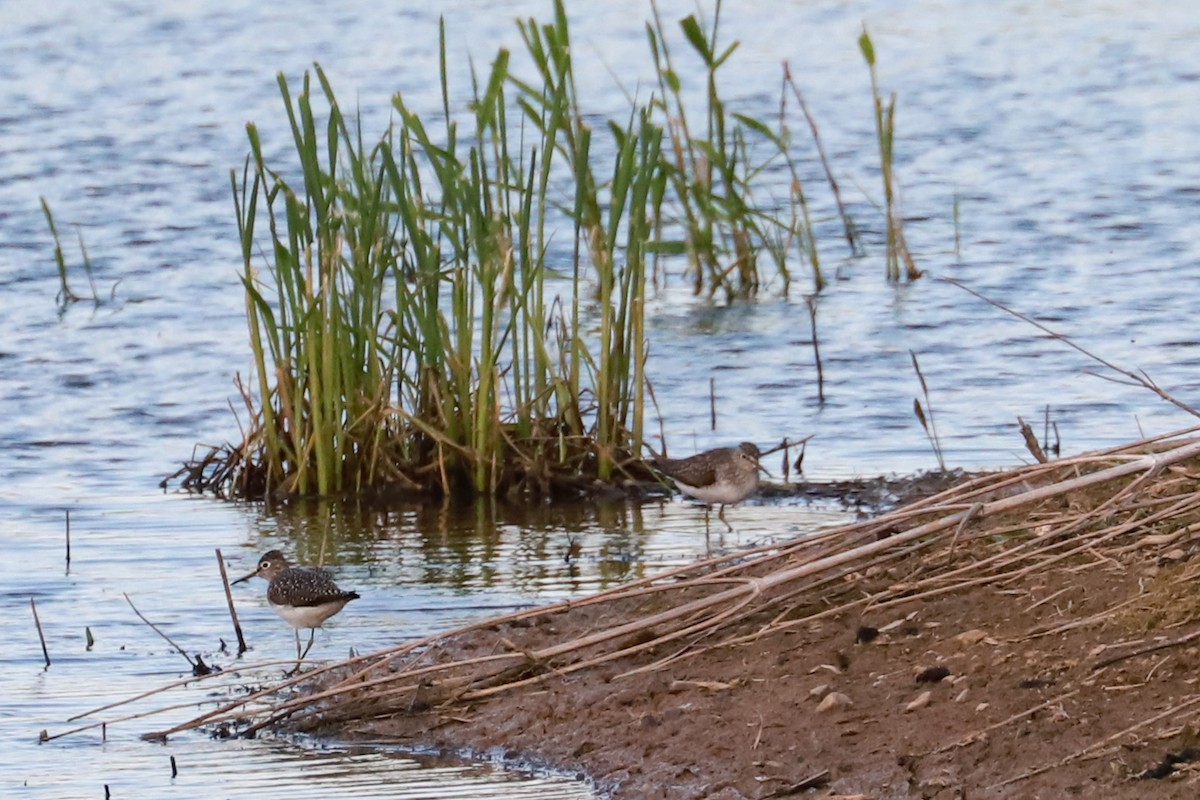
(1141, 651)
(1034, 560)
(1163, 540)
(711, 601)
(41, 636)
(971, 738)
(159, 631)
(1102, 616)
(237, 626)
(1053, 539)
(1127, 377)
(761, 585)
(210, 677)
(1097, 748)
(875, 603)
(1031, 442)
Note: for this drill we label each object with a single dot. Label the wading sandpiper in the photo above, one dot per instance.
(304, 596)
(721, 477)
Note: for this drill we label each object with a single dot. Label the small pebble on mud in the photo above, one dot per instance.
(969, 638)
(920, 701)
(834, 700)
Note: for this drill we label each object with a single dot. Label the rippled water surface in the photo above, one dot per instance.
(1047, 156)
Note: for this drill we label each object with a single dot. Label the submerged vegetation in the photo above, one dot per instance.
(415, 319)
(66, 296)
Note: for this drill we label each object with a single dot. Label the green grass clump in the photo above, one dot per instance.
(407, 328)
(717, 220)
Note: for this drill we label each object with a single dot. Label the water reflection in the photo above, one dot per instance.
(194, 767)
(420, 568)
(543, 551)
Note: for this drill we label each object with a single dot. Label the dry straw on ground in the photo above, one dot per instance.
(1138, 499)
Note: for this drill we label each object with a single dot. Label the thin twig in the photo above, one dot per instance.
(212, 676)
(1097, 745)
(811, 302)
(712, 403)
(155, 628)
(851, 239)
(1141, 651)
(972, 512)
(1031, 442)
(971, 738)
(1037, 633)
(1048, 598)
(237, 626)
(926, 419)
(41, 636)
(1139, 378)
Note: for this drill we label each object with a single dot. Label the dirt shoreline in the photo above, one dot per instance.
(987, 692)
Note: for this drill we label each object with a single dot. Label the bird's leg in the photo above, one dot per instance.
(312, 634)
(707, 532)
(721, 516)
(299, 658)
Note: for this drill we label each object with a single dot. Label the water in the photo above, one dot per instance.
(1066, 132)
(419, 570)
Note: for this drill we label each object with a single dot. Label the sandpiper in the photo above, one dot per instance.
(722, 477)
(304, 596)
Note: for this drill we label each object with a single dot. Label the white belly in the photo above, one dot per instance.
(717, 493)
(308, 616)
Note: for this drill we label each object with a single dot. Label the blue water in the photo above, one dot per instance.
(1064, 134)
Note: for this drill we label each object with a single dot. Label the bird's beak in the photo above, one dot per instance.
(245, 577)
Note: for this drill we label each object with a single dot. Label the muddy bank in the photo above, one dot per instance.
(950, 700)
(1037, 646)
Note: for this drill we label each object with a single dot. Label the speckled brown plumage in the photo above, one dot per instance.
(303, 596)
(723, 476)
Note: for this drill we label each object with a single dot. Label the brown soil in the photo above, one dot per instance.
(996, 691)
(743, 721)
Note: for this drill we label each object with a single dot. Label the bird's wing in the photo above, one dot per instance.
(693, 473)
(302, 586)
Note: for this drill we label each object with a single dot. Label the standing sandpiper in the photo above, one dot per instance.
(722, 477)
(304, 596)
